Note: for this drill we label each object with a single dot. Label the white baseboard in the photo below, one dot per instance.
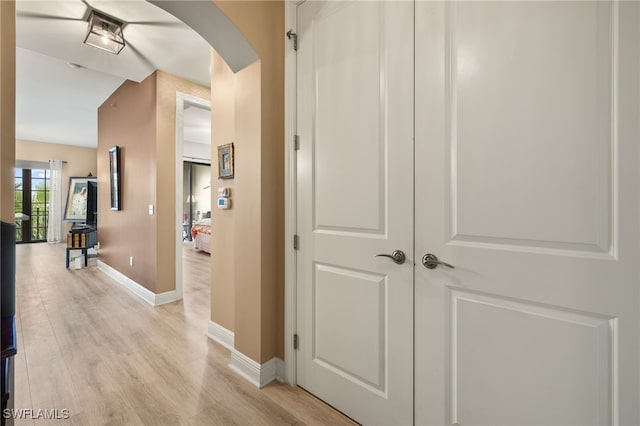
(166, 297)
(259, 375)
(145, 294)
(281, 370)
(221, 335)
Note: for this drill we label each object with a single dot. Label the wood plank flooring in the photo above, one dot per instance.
(90, 346)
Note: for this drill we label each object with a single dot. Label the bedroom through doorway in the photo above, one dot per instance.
(193, 203)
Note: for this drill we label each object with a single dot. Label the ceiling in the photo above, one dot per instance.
(61, 82)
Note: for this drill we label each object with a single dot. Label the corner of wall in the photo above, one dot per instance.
(259, 221)
(141, 119)
(7, 109)
(165, 175)
(223, 86)
(127, 119)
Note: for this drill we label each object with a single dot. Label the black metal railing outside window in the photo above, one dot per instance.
(32, 204)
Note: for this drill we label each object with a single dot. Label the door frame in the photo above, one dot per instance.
(182, 99)
(290, 199)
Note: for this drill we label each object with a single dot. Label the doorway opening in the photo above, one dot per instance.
(197, 203)
(193, 191)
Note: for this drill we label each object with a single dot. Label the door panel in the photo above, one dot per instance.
(503, 349)
(355, 200)
(351, 346)
(530, 135)
(349, 120)
(529, 123)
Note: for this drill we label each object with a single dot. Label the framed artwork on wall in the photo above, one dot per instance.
(225, 161)
(75, 209)
(115, 177)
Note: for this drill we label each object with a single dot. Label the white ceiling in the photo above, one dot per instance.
(58, 103)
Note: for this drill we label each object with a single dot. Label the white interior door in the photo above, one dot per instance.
(526, 181)
(526, 159)
(355, 200)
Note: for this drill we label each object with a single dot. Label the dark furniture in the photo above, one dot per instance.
(9, 349)
(81, 238)
(7, 311)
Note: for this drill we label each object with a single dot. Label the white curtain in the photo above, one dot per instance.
(54, 230)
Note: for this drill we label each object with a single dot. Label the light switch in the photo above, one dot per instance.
(150, 209)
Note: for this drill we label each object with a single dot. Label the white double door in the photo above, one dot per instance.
(501, 137)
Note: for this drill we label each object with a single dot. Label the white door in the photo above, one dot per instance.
(527, 182)
(355, 200)
(526, 159)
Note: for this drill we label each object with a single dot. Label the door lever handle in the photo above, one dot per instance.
(430, 261)
(397, 256)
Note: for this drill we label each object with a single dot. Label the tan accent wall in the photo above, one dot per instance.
(7, 109)
(127, 119)
(141, 119)
(222, 221)
(259, 183)
(167, 86)
(80, 161)
(250, 280)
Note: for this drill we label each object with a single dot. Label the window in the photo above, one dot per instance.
(32, 199)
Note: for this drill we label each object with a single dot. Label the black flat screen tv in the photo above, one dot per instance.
(92, 203)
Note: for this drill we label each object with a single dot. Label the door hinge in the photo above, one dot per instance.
(296, 342)
(296, 242)
(293, 36)
(296, 142)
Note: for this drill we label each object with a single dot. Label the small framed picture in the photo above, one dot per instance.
(225, 161)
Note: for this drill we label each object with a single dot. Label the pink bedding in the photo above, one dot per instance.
(201, 232)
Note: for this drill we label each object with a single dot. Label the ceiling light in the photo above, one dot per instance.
(105, 32)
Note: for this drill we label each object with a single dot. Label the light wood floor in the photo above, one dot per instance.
(90, 346)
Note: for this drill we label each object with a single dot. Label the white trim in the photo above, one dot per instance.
(181, 99)
(257, 374)
(219, 334)
(280, 370)
(246, 367)
(290, 211)
(166, 297)
(145, 294)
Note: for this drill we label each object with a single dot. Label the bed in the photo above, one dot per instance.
(201, 233)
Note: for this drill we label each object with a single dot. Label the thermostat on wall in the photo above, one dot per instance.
(224, 203)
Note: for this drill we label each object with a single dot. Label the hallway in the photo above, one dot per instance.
(90, 346)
